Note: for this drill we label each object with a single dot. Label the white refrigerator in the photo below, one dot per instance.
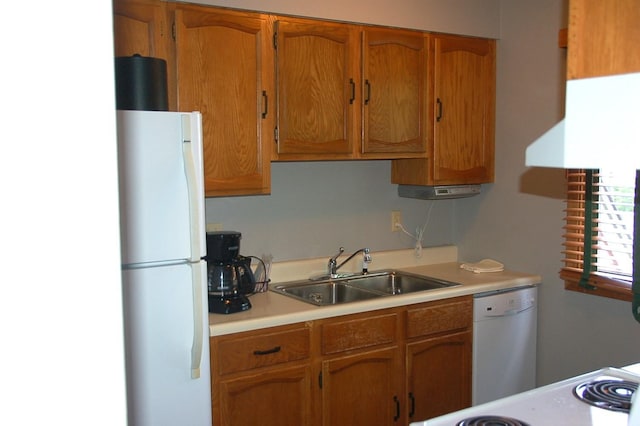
(163, 238)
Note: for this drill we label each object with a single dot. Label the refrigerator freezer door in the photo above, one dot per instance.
(159, 317)
(159, 156)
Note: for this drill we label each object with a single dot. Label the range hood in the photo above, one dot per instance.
(601, 127)
(438, 192)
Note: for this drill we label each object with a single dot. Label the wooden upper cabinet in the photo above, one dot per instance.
(462, 150)
(225, 71)
(316, 72)
(141, 27)
(394, 88)
(603, 38)
(348, 91)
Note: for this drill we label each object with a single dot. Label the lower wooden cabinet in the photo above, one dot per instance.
(435, 387)
(439, 357)
(263, 377)
(361, 379)
(386, 367)
(363, 388)
(272, 398)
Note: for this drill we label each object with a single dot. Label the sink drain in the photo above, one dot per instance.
(315, 297)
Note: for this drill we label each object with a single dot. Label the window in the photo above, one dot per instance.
(600, 210)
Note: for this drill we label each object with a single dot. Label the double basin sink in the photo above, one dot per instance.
(354, 288)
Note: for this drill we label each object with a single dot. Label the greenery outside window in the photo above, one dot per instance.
(600, 211)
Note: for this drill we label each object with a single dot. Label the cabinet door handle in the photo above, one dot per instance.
(439, 114)
(368, 91)
(353, 91)
(397, 416)
(265, 104)
(268, 351)
(413, 405)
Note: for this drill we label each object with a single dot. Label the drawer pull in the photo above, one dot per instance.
(268, 351)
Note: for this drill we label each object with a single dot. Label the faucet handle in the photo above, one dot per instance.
(341, 250)
(366, 261)
(332, 266)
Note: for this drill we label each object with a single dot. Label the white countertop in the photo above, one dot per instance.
(271, 309)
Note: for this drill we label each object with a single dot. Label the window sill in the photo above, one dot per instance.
(603, 286)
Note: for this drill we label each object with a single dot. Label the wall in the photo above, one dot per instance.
(470, 17)
(316, 207)
(519, 219)
(61, 304)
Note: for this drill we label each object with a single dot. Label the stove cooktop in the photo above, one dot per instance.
(561, 403)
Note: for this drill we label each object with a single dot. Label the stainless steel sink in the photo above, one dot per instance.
(394, 282)
(325, 292)
(359, 287)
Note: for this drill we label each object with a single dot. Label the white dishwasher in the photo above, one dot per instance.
(504, 343)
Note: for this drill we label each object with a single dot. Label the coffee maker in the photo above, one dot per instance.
(229, 275)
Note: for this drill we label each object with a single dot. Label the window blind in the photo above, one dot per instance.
(599, 232)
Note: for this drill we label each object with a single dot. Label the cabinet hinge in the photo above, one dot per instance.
(275, 40)
(173, 30)
(320, 380)
(276, 134)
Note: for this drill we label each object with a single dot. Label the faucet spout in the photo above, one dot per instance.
(333, 263)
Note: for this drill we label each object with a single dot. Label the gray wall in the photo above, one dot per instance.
(519, 219)
(317, 207)
(471, 17)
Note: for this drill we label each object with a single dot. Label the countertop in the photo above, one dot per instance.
(271, 309)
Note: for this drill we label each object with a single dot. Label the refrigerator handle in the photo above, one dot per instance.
(191, 150)
(196, 347)
(193, 169)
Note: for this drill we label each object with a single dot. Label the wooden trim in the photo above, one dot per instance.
(604, 286)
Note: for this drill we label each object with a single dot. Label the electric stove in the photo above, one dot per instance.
(598, 398)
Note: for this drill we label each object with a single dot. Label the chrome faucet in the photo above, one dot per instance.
(332, 267)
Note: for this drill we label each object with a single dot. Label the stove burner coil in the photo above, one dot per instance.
(489, 420)
(610, 394)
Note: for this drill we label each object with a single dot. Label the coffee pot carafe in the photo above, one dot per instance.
(229, 276)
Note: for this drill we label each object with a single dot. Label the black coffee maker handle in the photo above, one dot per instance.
(261, 283)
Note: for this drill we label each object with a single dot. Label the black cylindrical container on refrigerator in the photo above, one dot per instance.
(141, 83)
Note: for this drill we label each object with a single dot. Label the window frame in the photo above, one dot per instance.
(598, 284)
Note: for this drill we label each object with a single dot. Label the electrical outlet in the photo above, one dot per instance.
(212, 227)
(396, 219)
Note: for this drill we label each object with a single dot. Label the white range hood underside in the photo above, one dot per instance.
(601, 127)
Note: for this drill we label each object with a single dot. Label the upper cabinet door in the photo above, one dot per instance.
(317, 89)
(140, 27)
(225, 71)
(394, 89)
(463, 149)
(603, 38)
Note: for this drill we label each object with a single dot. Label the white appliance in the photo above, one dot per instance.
(598, 398)
(504, 343)
(164, 275)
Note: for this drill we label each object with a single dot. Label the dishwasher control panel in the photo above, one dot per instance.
(499, 304)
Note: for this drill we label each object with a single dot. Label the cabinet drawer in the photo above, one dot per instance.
(361, 332)
(261, 350)
(437, 317)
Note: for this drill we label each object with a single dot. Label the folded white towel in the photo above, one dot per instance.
(485, 265)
